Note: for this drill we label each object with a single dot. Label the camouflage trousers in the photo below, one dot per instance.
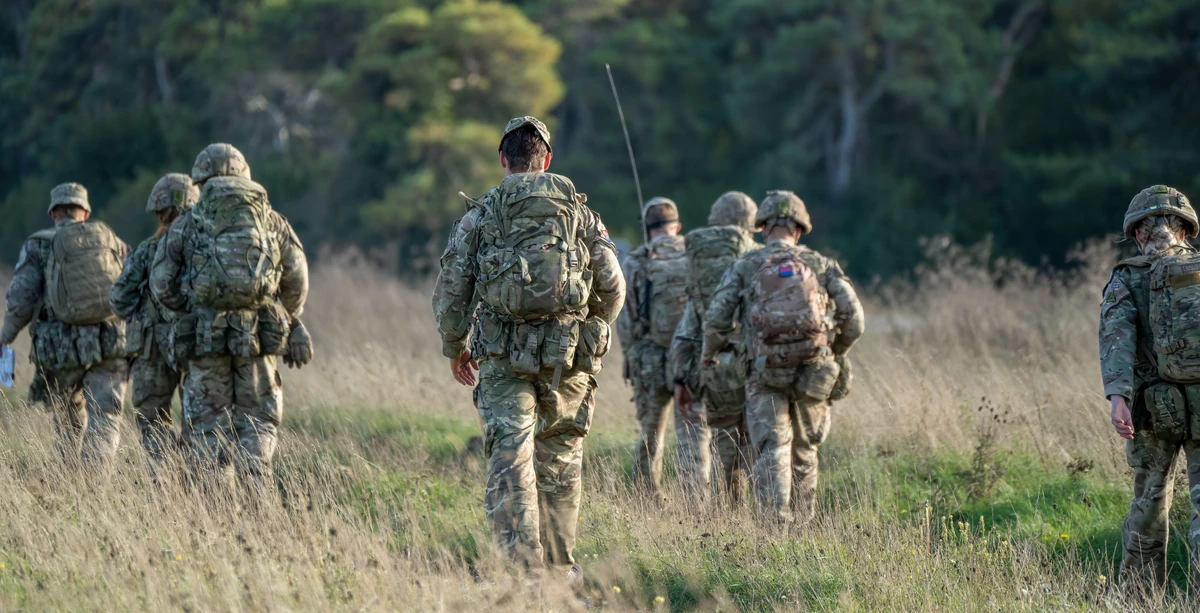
(533, 439)
(86, 401)
(154, 384)
(731, 439)
(786, 426)
(653, 395)
(1145, 531)
(232, 407)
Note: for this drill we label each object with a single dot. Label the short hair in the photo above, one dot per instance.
(525, 149)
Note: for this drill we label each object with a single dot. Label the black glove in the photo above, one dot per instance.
(299, 347)
(841, 388)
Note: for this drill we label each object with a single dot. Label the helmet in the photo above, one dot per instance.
(1160, 200)
(528, 120)
(659, 211)
(220, 160)
(69, 193)
(783, 204)
(733, 209)
(173, 191)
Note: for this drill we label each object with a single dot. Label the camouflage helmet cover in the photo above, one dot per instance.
(220, 160)
(1160, 200)
(783, 204)
(173, 191)
(733, 209)
(528, 120)
(659, 211)
(69, 193)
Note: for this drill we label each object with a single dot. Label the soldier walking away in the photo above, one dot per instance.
(716, 394)
(235, 273)
(543, 273)
(148, 327)
(802, 317)
(1150, 364)
(657, 276)
(61, 286)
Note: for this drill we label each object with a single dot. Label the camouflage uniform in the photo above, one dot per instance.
(1130, 370)
(81, 370)
(232, 393)
(721, 401)
(647, 365)
(788, 417)
(153, 376)
(533, 434)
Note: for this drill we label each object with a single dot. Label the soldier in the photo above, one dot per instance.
(61, 285)
(802, 317)
(657, 277)
(154, 376)
(540, 266)
(1151, 370)
(235, 272)
(721, 389)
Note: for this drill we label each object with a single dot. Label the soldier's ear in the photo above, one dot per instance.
(546, 164)
(503, 161)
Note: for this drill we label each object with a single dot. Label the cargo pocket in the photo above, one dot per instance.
(583, 417)
(1168, 412)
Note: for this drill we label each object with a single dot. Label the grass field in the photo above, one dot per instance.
(972, 469)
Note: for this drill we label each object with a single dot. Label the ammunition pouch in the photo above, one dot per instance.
(58, 345)
(595, 339)
(244, 333)
(724, 383)
(1167, 407)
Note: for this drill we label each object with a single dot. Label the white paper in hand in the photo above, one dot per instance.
(7, 362)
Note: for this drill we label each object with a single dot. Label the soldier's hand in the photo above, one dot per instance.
(463, 368)
(300, 346)
(684, 400)
(1122, 419)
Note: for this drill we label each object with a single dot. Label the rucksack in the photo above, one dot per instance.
(710, 252)
(236, 261)
(1175, 317)
(532, 263)
(666, 277)
(787, 315)
(85, 260)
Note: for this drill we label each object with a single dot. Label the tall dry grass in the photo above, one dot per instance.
(381, 507)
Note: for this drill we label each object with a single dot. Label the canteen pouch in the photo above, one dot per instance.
(273, 330)
(817, 379)
(595, 339)
(241, 333)
(492, 340)
(525, 357)
(1168, 412)
(183, 339)
(725, 382)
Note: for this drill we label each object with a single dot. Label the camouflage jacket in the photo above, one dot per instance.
(734, 296)
(131, 298)
(456, 299)
(1126, 346)
(632, 321)
(173, 261)
(28, 288)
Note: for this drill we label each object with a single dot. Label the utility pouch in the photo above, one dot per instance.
(113, 335)
(135, 338)
(774, 376)
(87, 345)
(558, 348)
(241, 333)
(210, 335)
(183, 340)
(273, 330)
(1168, 412)
(594, 341)
(492, 338)
(724, 383)
(525, 357)
(817, 379)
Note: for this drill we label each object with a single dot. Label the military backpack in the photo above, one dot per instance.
(533, 264)
(236, 261)
(664, 294)
(787, 314)
(710, 252)
(85, 260)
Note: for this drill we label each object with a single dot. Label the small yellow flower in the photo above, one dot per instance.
(1064, 536)
(659, 599)
(1, 565)
(178, 556)
(1103, 579)
(617, 589)
(910, 577)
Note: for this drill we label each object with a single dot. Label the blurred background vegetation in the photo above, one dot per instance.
(1029, 122)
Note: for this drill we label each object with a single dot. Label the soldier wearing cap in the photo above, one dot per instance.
(154, 377)
(657, 273)
(528, 288)
(1150, 365)
(793, 376)
(81, 367)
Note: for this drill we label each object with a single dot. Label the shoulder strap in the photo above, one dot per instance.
(45, 235)
(1137, 261)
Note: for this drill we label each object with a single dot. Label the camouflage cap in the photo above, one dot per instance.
(173, 191)
(783, 204)
(69, 193)
(1160, 200)
(733, 209)
(220, 160)
(659, 211)
(518, 122)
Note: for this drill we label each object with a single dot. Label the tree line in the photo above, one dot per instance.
(1029, 122)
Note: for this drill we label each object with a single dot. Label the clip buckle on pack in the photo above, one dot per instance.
(564, 344)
